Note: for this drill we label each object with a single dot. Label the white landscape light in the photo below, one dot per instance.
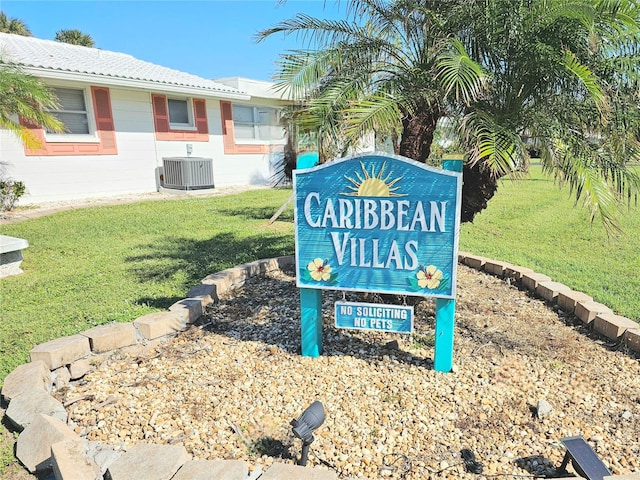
(304, 426)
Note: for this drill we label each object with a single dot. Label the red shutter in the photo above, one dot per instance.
(200, 108)
(228, 138)
(160, 114)
(102, 103)
(104, 120)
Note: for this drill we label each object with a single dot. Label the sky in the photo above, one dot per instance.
(211, 39)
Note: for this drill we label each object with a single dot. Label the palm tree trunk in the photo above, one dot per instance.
(479, 184)
(417, 133)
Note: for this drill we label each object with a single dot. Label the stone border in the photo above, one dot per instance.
(596, 316)
(47, 442)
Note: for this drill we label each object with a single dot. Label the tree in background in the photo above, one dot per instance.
(559, 75)
(13, 25)
(74, 37)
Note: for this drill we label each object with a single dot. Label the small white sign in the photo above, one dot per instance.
(374, 316)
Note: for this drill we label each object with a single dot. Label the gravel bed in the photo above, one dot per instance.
(229, 388)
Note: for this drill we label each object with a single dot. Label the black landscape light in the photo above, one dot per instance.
(303, 427)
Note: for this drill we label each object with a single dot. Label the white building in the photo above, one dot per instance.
(125, 117)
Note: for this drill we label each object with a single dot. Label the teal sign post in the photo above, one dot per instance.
(374, 223)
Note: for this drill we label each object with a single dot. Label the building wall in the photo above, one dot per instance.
(135, 168)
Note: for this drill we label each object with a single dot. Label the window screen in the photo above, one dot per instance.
(73, 110)
(178, 111)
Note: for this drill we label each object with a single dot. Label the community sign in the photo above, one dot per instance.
(377, 223)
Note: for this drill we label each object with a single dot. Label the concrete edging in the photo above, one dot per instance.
(66, 358)
(596, 316)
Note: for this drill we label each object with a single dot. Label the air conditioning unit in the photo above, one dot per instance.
(187, 173)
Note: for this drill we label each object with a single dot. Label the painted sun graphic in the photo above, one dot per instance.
(370, 184)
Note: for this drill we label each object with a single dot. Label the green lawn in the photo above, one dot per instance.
(533, 223)
(91, 266)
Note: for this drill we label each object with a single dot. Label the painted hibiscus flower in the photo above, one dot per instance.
(319, 270)
(429, 277)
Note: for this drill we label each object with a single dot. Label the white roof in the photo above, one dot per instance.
(255, 88)
(63, 61)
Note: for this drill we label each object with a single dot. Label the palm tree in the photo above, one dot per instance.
(562, 75)
(13, 25)
(26, 97)
(74, 37)
(502, 70)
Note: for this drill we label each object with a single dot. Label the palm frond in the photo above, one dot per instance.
(460, 74)
(587, 79)
(379, 112)
(25, 97)
(585, 182)
(493, 143)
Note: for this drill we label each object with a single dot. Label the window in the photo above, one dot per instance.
(180, 113)
(180, 119)
(88, 118)
(250, 130)
(256, 123)
(73, 111)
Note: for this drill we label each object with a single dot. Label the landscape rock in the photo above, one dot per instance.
(61, 351)
(550, 290)
(543, 409)
(496, 267)
(212, 469)
(243, 377)
(631, 339)
(79, 368)
(516, 272)
(158, 324)
(230, 389)
(568, 299)
(475, 261)
(27, 377)
(530, 280)
(189, 309)
(33, 447)
(60, 377)
(104, 338)
(148, 462)
(206, 293)
(69, 461)
(587, 311)
(612, 326)
(102, 455)
(26, 407)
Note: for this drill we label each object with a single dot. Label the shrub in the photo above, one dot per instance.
(10, 192)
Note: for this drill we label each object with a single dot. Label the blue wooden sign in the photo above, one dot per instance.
(374, 316)
(377, 223)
